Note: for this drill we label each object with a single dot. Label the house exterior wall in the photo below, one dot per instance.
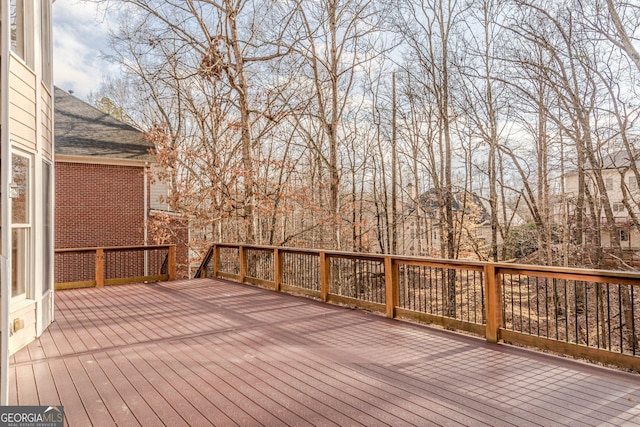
(99, 205)
(26, 178)
(22, 102)
(613, 180)
(158, 190)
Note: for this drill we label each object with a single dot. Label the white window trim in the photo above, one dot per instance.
(29, 295)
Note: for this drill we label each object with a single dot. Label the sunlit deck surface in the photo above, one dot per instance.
(209, 352)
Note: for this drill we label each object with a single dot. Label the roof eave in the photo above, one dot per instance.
(101, 160)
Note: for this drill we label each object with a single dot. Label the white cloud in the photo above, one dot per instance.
(79, 35)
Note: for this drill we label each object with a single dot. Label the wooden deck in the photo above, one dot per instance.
(205, 352)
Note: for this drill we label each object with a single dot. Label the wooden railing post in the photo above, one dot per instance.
(171, 262)
(391, 286)
(277, 269)
(325, 276)
(242, 255)
(493, 303)
(216, 260)
(99, 267)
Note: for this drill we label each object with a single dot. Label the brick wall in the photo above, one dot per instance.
(103, 205)
(98, 205)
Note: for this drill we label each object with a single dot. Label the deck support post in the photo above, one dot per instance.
(242, 255)
(277, 269)
(99, 267)
(325, 276)
(171, 262)
(216, 260)
(493, 303)
(391, 286)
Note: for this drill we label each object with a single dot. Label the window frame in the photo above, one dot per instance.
(46, 196)
(608, 183)
(623, 235)
(22, 256)
(46, 64)
(23, 33)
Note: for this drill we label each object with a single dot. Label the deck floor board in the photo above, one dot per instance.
(213, 352)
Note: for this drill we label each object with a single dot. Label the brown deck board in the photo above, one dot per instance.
(27, 392)
(163, 387)
(36, 352)
(47, 392)
(318, 404)
(323, 374)
(138, 406)
(13, 388)
(75, 413)
(204, 367)
(47, 343)
(212, 352)
(120, 411)
(91, 399)
(205, 398)
(140, 389)
(21, 357)
(364, 406)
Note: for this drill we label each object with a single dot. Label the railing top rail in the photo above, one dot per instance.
(569, 273)
(113, 248)
(269, 248)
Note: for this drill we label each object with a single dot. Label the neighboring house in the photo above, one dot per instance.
(616, 174)
(422, 232)
(107, 192)
(26, 177)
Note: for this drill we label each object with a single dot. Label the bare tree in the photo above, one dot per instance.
(336, 39)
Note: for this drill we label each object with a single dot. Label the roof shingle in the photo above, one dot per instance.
(83, 130)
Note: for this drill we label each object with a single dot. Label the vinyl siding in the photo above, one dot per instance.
(22, 95)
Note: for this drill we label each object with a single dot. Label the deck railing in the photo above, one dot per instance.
(590, 314)
(89, 267)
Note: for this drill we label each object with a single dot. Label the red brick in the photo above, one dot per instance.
(98, 205)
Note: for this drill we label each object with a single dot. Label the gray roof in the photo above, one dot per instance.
(83, 130)
(620, 159)
(429, 202)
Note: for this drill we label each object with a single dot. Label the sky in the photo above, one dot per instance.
(79, 35)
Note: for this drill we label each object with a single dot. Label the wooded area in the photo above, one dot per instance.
(491, 130)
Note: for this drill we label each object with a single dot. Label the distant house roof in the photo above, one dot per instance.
(620, 159)
(83, 130)
(429, 203)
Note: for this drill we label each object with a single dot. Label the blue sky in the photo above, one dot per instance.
(79, 34)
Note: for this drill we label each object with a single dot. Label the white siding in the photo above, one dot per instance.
(158, 191)
(22, 100)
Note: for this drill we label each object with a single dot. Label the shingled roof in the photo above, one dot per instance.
(83, 130)
(620, 159)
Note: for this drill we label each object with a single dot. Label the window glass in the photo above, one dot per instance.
(16, 12)
(624, 235)
(21, 227)
(608, 183)
(20, 184)
(19, 259)
(46, 44)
